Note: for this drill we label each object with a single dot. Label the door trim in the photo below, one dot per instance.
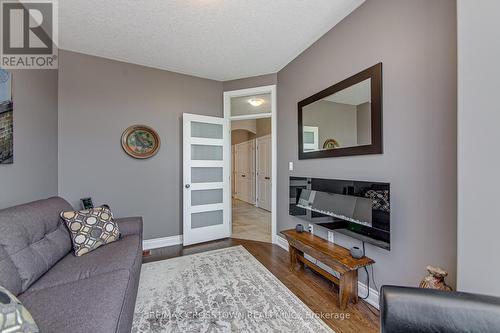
(274, 159)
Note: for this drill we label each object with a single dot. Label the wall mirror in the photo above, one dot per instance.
(344, 119)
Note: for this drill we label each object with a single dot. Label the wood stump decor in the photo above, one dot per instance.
(435, 279)
(331, 144)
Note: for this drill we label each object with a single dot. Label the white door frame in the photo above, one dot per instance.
(271, 89)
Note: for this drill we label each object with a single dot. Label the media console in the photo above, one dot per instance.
(332, 255)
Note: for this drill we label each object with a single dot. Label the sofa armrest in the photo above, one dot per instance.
(130, 226)
(418, 310)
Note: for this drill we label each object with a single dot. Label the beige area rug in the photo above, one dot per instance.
(225, 290)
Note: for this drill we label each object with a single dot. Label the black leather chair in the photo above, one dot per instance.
(417, 310)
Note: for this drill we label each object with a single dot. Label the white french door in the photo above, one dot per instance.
(207, 190)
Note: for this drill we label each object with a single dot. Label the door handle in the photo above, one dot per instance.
(188, 186)
(267, 178)
(243, 176)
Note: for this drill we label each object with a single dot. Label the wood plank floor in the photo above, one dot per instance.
(316, 292)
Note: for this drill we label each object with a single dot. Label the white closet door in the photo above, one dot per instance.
(207, 186)
(245, 171)
(264, 170)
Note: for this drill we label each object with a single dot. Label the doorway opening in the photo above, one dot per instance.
(252, 119)
(251, 179)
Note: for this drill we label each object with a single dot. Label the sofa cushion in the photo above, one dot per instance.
(34, 238)
(130, 226)
(9, 276)
(87, 305)
(115, 256)
(90, 229)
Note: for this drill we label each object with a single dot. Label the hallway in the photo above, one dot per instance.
(250, 222)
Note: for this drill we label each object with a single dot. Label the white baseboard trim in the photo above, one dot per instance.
(281, 242)
(149, 244)
(373, 299)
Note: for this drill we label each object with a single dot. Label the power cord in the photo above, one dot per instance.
(368, 282)
(367, 275)
(332, 286)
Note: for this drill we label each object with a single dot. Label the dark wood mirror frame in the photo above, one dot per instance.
(376, 147)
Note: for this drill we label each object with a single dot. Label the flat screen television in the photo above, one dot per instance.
(358, 209)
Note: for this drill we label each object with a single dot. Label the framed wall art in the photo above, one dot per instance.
(6, 118)
(140, 141)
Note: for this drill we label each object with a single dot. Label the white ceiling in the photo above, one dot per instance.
(216, 39)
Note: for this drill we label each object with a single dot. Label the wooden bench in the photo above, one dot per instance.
(332, 255)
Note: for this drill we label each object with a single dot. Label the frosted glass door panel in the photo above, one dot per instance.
(205, 130)
(207, 219)
(206, 197)
(206, 153)
(206, 175)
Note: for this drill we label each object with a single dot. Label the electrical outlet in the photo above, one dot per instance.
(310, 228)
(331, 237)
(290, 166)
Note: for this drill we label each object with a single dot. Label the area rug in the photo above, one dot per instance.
(225, 290)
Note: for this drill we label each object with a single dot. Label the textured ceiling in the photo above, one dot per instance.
(216, 39)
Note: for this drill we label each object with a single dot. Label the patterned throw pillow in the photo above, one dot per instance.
(91, 228)
(380, 199)
(13, 315)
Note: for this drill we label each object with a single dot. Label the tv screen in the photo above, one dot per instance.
(358, 209)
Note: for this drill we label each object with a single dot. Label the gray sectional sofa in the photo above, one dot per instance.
(92, 293)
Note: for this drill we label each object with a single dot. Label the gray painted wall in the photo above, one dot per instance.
(33, 175)
(241, 135)
(478, 158)
(98, 100)
(416, 42)
(263, 127)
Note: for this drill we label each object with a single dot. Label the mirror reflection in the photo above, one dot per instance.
(340, 120)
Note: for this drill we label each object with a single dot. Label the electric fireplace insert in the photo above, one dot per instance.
(359, 209)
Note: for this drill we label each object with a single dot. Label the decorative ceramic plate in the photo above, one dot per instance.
(331, 144)
(140, 141)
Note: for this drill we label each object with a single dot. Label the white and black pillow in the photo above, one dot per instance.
(90, 228)
(380, 199)
(13, 315)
